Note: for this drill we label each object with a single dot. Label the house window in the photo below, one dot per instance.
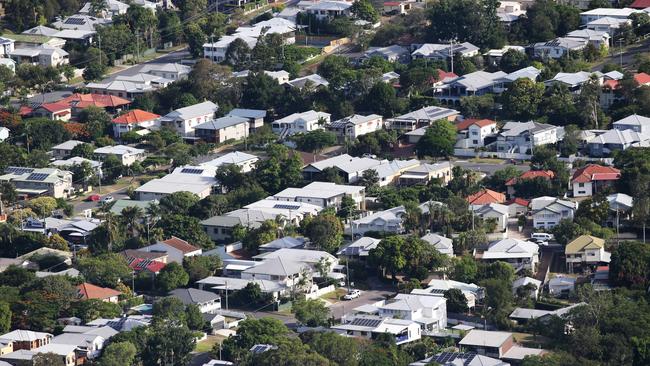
(581, 185)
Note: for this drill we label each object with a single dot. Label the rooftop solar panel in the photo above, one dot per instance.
(18, 170)
(365, 322)
(75, 21)
(38, 176)
(286, 206)
(191, 171)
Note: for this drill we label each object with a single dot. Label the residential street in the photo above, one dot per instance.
(80, 206)
(338, 309)
(488, 168)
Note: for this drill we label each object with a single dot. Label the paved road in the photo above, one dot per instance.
(171, 57)
(488, 168)
(628, 56)
(80, 206)
(367, 297)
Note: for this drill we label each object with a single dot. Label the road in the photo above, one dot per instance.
(80, 206)
(172, 57)
(337, 310)
(628, 55)
(488, 168)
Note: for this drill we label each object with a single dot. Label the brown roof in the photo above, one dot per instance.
(464, 124)
(135, 116)
(532, 174)
(593, 172)
(133, 253)
(89, 291)
(308, 158)
(486, 196)
(181, 245)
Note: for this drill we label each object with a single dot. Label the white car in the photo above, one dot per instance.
(353, 294)
(108, 199)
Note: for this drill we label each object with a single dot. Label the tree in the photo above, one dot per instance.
(521, 100)
(195, 39)
(464, 269)
(498, 297)
(513, 60)
(325, 232)
(171, 277)
(365, 11)
(97, 122)
(388, 255)
(382, 99)
(238, 54)
(117, 41)
(8, 193)
(438, 140)
(194, 318)
(341, 350)
(566, 230)
(315, 141)
(178, 203)
(312, 312)
(118, 354)
(200, 267)
(470, 21)
(169, 345)
(497, 181)
(106, 270)
(186, 227)
(456, 301)
(42, 206)
(89, 310)
(370, 179)
(5, 317)
(630, 265)
(267, 232)
(251, 332)
(588, 104)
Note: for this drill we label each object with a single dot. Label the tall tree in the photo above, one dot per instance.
(438, 140)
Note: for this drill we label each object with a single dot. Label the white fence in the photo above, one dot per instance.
(320, 292)
(490, 154)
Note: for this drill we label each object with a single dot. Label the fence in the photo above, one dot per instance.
(320, 292)
(490, 154)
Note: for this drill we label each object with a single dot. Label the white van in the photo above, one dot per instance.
(541, 236)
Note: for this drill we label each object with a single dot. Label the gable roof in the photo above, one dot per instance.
(89, 291)
(531, 174)
(582, 243)
(20, 335)
(193, 296)
(193, 111)
(54, 107)
(181, 245)
(486, 196)
(518, 201)
(78, 100)
(593, 172)
(135, 116)
(463, 125)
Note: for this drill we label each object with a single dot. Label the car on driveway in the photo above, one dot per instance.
(352, 294)
(108, 199)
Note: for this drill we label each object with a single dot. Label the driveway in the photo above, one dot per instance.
(80, 206)
(338, 309)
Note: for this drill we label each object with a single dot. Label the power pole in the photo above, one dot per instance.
(226, 294)
(99, 39)
(137, 45)
(451, 54)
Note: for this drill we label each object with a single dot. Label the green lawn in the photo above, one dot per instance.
(207, 344)
(334, 295)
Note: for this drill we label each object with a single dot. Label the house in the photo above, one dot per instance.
(216, 51)
(351, 127)
(615, 140)
(389, 172)
(35, 182)
(517, 206)
(312, 81)
(420, 118)
(6, 46)
(44, 55)
(184, 120)
(110, 103)
(229, 284)
(474, 83)
(358, 249)
(81, 22)
(387, 221)
(443, 52)
(222, 129)
(4, 133)
(300, 123)
(88, 346)
(459, 358)
(586, 250)
(112, 8)
(121, 204)
(64, 149)
(494, 56)
(76, 161)
(472, 292)
(246, 162)
(393, 53)
(208, 302)
(496, 344)
(126, 155)
(442, 244)
(370, 326)
(640, 4)
(608, 24)
(494, 211)
(323, 194)
(522, 315)
(131, 254)
(282, 77)
(597, 38)
(633, 122)
(594, 178)
(522, 282)
(255, 116)
(530, 174)
(425, 172)
(559, 286)
(548, 211)
(74, 230)
(616, 13)
(22, 357)
(485, 196)
(559, 47)
(54, 111)
(509, 12)
(133, 120)
(522, 137)
(326, 9)
(574, 80)
(26, 339)
(284, 242)
(620, 207)
(474, 131)
(430, 312)
(175, 248)
(518, 253)
(531, 73)
(349, 168)
(123, 324)
(88, 291)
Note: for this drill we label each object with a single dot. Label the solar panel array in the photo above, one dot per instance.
(446, 358)
(260, 348)
(286, 206)
(75, 21)
(365, 322)
(18, 170)
(38, 176)
(437, 291)
(191, 171)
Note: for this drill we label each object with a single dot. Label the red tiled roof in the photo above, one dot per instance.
(90, 291)
(135, 116)
(181, 245)
(642, 78)
(54, 107)
(611, 84)
(486, 196)
(531, 174)
(593, 172)
(442, 74)
(99, 100)
(640, 4)
(464, 124)
(518, 201)
(139, 264)
(24, 111)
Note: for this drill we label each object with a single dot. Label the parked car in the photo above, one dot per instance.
(352, 294)
(541, 236)
(108, 199)
(541, 242)
(93, 198)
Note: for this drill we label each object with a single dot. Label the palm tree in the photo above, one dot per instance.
(152, 217)
(112, 226)
(132, 219)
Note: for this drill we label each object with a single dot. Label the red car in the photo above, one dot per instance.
(93, 198)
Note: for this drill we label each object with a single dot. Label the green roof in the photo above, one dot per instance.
(119, 205)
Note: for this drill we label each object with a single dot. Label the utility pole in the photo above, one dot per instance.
(226, 294)
(620, 47)
(137, 45)
(99, 39)
(451, 54)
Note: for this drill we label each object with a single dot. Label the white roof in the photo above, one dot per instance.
(359, 247)
(226, 40)
(68, 145)
(523, 281)
(543, 202)
(510, 248)
(612, 22)
(41, 30)
(319, 190)
(496, 207)
(235, 157)
(283, 208)
(330, 5)
(75, 160)
(529, 72)
(445, 285)
(74, 34)
(297, 255)
(622, 137)
(571, 78)
(307, 116)
(622, 12)
(390, 215)
(194, 179)
(478, 80)
(313, 79)
(442, 244)
(193, 111)
(21, 335)
(222, 283)
(620, 201)
(248, 113)
(118, 150)
(221, 123)
(633, 120)
(346, 163)
(430, 113)
(588, 34)
(485, 338)
(355, 119)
